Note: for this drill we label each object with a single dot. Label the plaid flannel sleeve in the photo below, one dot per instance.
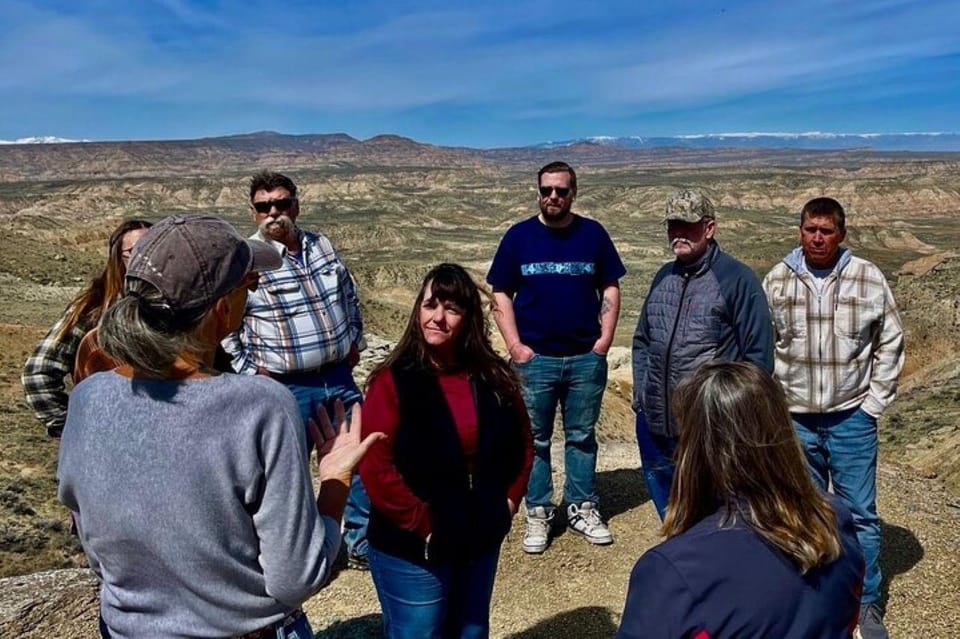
(240, 359)
(44, 373)
(888, 357)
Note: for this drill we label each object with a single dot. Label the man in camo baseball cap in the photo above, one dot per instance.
(704, 305)
(689, 205)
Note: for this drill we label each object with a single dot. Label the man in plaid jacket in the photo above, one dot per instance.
(838, 355)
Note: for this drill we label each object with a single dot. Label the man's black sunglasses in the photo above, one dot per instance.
(562, 191)
(283, 205)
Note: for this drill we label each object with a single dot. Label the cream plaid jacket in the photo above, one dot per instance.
(841, 348)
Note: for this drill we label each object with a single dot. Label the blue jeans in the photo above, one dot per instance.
(656, 459)
(842, 448)
(576, 383)
(434, 602)
(311, 391)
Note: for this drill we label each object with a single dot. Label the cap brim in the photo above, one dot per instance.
(265, 257)
(678, 217)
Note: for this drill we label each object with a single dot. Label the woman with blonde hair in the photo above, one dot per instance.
(753, 548)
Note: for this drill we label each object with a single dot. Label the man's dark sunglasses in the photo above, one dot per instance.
(562, 191)
(283, 205)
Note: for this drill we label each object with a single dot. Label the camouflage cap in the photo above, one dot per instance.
(689, 205)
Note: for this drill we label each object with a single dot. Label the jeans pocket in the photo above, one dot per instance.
(601, 372)
(526, 363)
(866, 416)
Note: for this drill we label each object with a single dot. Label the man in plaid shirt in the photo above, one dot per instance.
(838, 355)
(302, 326)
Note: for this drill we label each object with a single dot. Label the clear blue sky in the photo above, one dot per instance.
(476, 73)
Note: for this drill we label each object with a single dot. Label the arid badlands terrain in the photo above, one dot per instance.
(395, 207)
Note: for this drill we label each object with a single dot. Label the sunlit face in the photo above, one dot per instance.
(555, 196)
(690, 240)
(127, 242)
(440, 322)
(820, 238)
(278, 211)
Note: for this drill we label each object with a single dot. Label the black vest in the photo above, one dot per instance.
(469, 510)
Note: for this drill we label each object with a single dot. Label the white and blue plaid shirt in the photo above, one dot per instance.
(304, 315)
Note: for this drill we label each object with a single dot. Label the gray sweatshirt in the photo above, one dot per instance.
(194, 503)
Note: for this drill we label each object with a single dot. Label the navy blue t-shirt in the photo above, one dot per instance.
(555, 276)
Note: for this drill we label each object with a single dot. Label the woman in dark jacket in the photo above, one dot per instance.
(753, 548)
(447, 480)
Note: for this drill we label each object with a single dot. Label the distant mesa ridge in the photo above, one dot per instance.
(809, 140)
(243, 153)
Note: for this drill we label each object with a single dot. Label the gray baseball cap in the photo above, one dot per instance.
(194, 260)
(689, 205)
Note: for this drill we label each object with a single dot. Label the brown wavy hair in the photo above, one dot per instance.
(738, 451)
(104, 289)
(475, 354)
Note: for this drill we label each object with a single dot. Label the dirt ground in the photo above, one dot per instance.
(575, 590)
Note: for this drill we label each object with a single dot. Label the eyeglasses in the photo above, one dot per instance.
(562, 191)
(283, 205)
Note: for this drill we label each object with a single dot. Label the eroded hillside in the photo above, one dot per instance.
(393, 220)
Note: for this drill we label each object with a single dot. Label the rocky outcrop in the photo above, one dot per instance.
(54, 603)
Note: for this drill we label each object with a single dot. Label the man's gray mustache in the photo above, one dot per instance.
(282, 220)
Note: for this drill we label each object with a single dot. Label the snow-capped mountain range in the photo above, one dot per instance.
(813, 140)
(40, 139)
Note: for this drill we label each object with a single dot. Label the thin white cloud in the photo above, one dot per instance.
(525, 60)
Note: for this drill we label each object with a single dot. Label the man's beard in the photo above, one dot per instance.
(276, 228)
(555, 215)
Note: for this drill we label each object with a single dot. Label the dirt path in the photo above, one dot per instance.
(576, 590)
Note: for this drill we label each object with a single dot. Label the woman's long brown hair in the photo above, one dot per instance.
(475, 354)
(738, 451)
(104, 289)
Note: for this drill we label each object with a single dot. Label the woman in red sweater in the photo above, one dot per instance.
(445, 483)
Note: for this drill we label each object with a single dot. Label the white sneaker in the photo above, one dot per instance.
(537, 535)
(584, 519)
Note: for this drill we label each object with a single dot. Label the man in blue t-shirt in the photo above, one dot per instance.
(555, 281)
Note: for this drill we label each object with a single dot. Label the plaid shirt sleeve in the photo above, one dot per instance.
(44, 374)
(241, 360)
(888, 356)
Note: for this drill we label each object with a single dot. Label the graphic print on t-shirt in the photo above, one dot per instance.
(558, 268)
